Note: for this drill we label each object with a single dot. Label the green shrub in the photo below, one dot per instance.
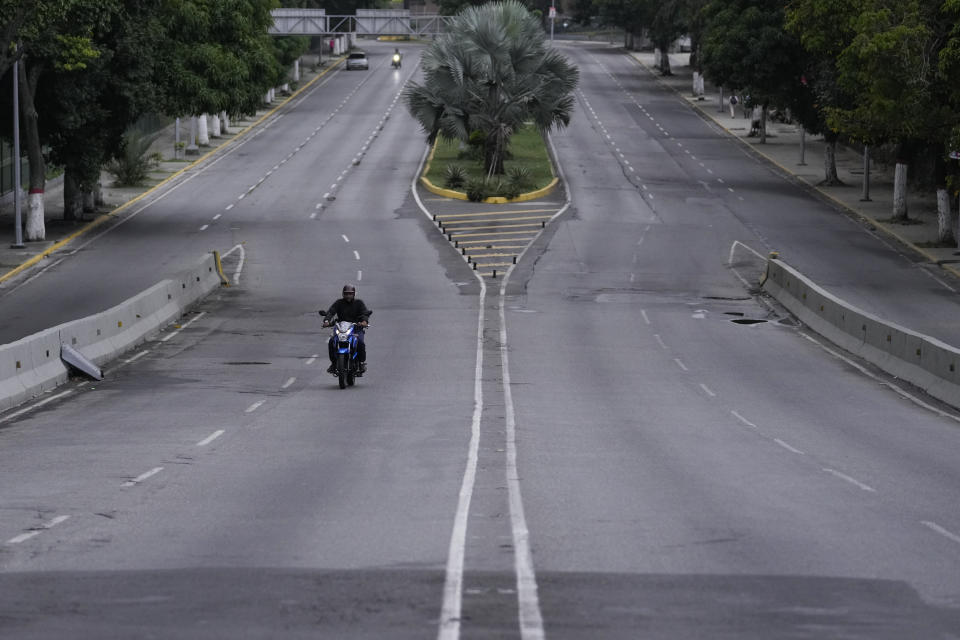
(477, 190)
(511, 190)
(131, 165)
(519, 176)
(455, 176)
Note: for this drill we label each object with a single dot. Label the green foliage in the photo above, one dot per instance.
(509, 189)
(492, 72)
(747, 48)
(519, 176)
(477, 189)
(131, 165)
(455, 176)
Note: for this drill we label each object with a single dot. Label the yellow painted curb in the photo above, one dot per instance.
(859, 214)
(108, 216)
(459, 195)
(224, 281)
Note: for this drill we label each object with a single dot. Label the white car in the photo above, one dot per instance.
(357, 60)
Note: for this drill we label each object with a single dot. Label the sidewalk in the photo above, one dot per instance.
(60, 232)
(783, 149)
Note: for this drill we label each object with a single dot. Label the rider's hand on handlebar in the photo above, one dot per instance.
(363, 323)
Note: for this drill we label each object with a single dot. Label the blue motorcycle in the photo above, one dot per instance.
(345, 339)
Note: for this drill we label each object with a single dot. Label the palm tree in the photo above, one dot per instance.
(492, 72)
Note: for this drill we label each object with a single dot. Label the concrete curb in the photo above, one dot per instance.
(924, 361)
(459, 195)
(32, 365)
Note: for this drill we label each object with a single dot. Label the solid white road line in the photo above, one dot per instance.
(20, 412)
(213, 436)
(945, 533)
(184, 326)
(743, 420)
(531, 620)
(852, 481)
(143, 476)
(136, 357)
(243, 258)
(30, 534)
(788, 447)
(892, 386)
(453, 581)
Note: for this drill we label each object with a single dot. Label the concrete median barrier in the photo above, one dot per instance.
(32, 365)
(919, 359)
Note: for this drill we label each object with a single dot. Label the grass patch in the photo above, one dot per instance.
(527, 155)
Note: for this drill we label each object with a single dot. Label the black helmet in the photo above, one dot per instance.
(349, 288)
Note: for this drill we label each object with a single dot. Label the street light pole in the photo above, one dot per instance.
(18, 232)
(553, 17)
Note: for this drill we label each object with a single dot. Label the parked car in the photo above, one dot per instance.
(357, 60)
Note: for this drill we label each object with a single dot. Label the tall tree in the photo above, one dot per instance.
(492, 72)
(890, 66)
(825, 28)
(747, 48)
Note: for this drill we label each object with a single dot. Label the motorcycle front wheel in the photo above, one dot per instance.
(342, 365)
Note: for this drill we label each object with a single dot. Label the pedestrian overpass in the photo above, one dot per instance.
(367, 22)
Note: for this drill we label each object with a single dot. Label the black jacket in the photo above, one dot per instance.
(348, 311)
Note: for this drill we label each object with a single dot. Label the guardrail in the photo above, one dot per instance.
(926, 362)
(32, 365)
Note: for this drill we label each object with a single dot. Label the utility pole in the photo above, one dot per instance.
(18, 234)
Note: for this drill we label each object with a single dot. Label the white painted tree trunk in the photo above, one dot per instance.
(215, 126)
(203, 136)
(89, 202)
(944, 219)
(900, 192)
(296, 70)
(226, 123)
(36, 225)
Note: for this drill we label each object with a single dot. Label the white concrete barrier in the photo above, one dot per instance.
(32, 365)
(926, 362)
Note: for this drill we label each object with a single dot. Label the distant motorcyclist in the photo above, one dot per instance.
(397, 57)
(349, 308)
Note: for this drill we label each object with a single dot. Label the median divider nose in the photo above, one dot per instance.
(78, 361)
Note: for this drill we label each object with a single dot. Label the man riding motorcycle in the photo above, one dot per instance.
(348, 308)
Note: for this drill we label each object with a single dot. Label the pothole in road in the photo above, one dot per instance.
(747, 321)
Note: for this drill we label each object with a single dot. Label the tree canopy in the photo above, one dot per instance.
(492, 72)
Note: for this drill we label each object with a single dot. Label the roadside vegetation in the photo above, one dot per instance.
(491, 75)
(527, 166)
(88, 70)
(880, 74)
